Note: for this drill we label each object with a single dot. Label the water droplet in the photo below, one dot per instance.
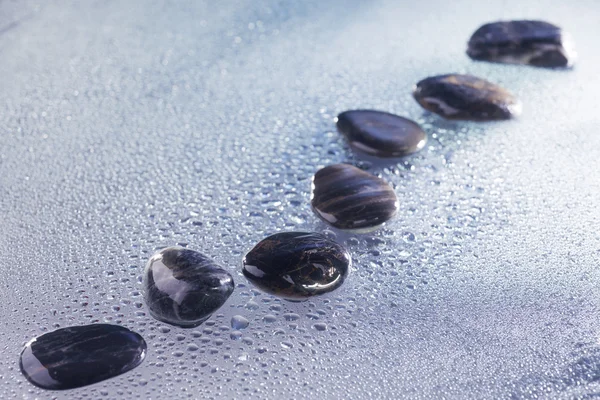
(291, 316)
(269, 318)
(239, 322)
(320, 326)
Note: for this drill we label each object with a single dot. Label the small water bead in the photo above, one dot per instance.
(269, 318)
(252, 305)
(297, 265)
(239, 322)
(380, 133)
(348, 198)
(192, 347)
(78, 356)
(183, 287)
(466, 97)
(536, 43)
(320, 326)
(291, 316)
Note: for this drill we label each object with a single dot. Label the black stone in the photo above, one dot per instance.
(183, 287)
(380, 133)
(81, 355)
(349, 198)
(536, 43)
(297, 265)
(466, 97)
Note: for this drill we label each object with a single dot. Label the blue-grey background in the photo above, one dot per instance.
(130, 125)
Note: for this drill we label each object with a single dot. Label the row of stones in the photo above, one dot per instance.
(183, 287)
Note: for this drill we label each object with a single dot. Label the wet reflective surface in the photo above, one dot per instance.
(183, 287)
(380, 133)
(72, 357)
(129, 126)
(349, 198)
(466, 97)
(296, 265)
(536, 43)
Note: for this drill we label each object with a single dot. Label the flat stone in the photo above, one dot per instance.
(81, 355)
(297, 265)
(536, 43)
(349, 198)
(380, 133)
(182, 287)
(466, 97)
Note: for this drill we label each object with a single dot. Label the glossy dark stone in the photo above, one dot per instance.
(535, 43)
(381, 134)
(81, 355)
(297, 265)
(183, 287)
(349, 198)
(466, 97)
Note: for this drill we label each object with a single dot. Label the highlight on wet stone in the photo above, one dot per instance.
(77, 356)
(297, 265)
(466, 97)
(528, 42)
(349, 198)
(380, 133)
(183, 287)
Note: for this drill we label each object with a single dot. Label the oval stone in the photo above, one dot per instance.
(347, 197)
(297, 265)
(183, 287)
(536, 43)
(81, 355)
(380, 133)
(466, 97)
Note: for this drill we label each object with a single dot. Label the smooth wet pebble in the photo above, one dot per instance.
(466, 97)
(528, 42)
(380, 133)
(182, 287)
(81, 355)
(297, 265)
(349, 198)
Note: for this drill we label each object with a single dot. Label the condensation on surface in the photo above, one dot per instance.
(127, 126)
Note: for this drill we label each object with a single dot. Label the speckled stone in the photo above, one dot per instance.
(466, 97)
(536, 43)
(297, 265)
(347, 197)
(77, 356)
(380, 133)
(183, 287)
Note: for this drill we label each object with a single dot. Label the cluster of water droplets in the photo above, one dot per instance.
(204, 135)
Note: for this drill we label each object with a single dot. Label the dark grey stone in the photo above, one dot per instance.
(81, 355)
(347, 197)
(297, 265)
(183, 287)
(466, 97)
(380, 133)
(536, 43)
